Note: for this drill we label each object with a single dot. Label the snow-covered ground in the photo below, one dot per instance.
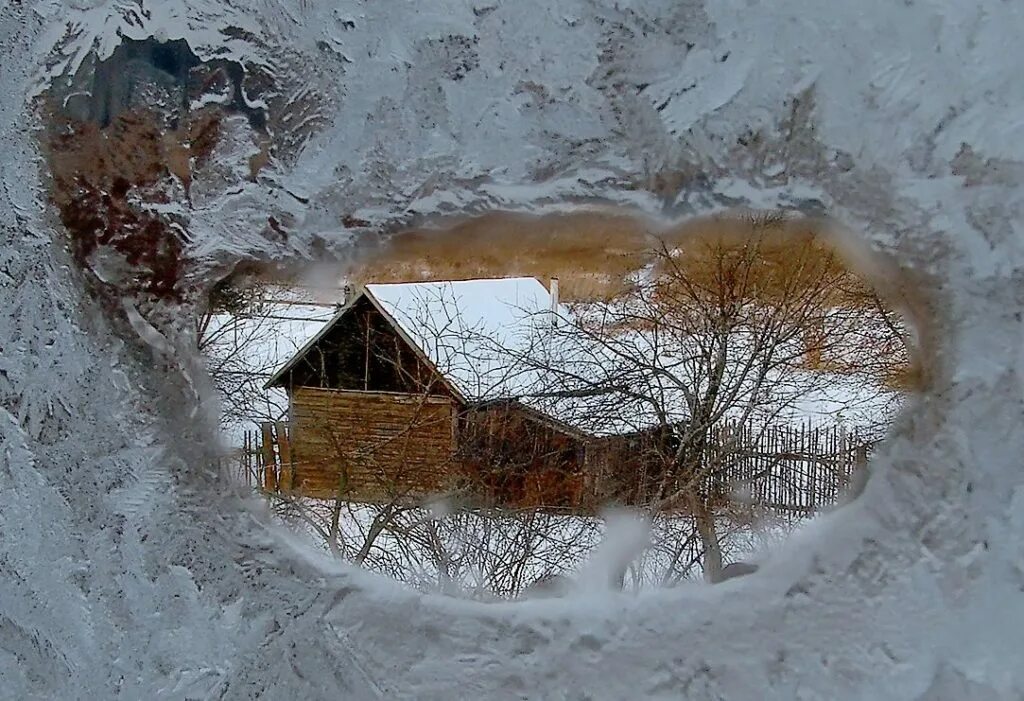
(129, 571)
(498, 555)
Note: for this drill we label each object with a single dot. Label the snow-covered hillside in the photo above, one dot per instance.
(129, 570)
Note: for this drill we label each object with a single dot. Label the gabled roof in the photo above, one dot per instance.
(478, 334)
(494, 340)
(277, 378)
(469, 331)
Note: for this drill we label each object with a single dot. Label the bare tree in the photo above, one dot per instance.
(750, 332)
(438, 529)
(237, 321)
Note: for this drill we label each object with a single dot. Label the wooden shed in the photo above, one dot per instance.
(394, 399)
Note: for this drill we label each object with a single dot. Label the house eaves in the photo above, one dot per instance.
(277, 379)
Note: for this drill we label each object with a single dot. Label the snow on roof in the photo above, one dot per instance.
(262, 341)
(473, 331)
(495, 339)
(485, 338)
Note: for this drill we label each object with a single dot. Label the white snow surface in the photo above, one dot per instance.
(472, 330)
(271, 337)
(128, 569)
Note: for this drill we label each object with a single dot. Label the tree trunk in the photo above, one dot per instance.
(380, 522)
(335, 531)
(705, 522)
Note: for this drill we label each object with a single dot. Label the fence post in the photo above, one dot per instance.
(813, 470)
(861, 458)
(284, 447)
(269, 463)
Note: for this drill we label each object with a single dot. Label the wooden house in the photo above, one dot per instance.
(409, 392)
(419, 390)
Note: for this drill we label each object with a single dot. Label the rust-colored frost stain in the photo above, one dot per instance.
(96, 218)
(104, 184)
(123, 143)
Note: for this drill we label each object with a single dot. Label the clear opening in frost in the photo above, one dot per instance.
(475, 410)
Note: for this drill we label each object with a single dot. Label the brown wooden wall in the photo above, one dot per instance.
(511, 457)
(381, 445)
(626, 470)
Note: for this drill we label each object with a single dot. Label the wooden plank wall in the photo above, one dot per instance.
(513, 458)
(372, 445)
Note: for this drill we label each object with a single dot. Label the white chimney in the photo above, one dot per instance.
(554, 301)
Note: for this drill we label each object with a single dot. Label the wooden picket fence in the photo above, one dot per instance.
(265, 457)
(787, 468)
